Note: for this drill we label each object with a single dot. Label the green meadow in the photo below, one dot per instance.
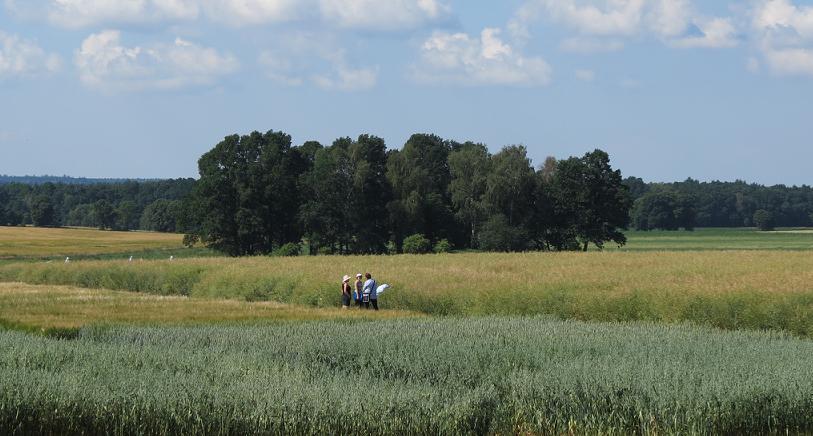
(703, 332)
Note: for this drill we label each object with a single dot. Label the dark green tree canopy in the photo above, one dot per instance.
(592, 195)
(763, 220)
(248, 193)
(664, 209)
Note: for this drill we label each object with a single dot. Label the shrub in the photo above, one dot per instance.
(288, 250)
(190, 240)
(443, 246)
(498, 235)
(763, 220)
(417, 244)
(391, 248)
(325, 251)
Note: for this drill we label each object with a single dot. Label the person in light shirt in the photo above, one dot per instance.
(369, 292)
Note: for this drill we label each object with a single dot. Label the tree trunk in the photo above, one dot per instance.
(585, 246)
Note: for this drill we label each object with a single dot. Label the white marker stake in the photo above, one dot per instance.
(131, 259)
(67, 259)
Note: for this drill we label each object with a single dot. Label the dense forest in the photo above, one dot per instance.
(691, 204)
(147, 205)
(259, 194)
(67, 180)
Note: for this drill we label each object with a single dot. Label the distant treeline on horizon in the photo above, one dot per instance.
(456, 188)
(67, 180)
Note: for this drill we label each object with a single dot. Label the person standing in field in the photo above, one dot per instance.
(370, 289)
(359, 285)
(345, 292)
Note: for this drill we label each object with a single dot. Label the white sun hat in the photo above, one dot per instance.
(358, 276)
(345, 278)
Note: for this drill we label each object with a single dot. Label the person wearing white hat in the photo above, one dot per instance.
(345, 292)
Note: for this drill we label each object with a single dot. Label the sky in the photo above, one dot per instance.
(713, 90)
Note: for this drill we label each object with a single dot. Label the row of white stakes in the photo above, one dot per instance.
(68, 259)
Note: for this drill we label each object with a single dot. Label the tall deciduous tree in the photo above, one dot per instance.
(371, 192)
(325, 214)
(247, 193)
(104, 214)
(127, 216)
(594, 198)
(469, 166)
(663, 209)
(42, 211)
(419, 175)
(161, 216)
(510, 185)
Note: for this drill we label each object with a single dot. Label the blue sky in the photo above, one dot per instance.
(670, 88)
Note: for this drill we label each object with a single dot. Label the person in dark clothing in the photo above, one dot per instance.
(346, 290)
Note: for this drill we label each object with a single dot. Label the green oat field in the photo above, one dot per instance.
(703, 332)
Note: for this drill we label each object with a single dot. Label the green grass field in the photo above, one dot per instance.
(258, 345)
(719, 239)
(433, 376)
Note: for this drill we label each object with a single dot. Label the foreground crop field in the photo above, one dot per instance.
(43, 242)
(441, 376)
(61, 310)
(727, 289)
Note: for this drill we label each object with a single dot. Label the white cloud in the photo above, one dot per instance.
(588, 45)
(20, 57)
(345, 78)
(668, 18)
(602, 25)
(716, 33)
(778, 15)
(382, 15)
(312, 58)
(586, 75)
(250, 12)
(608, 17)
(280, 68)
(82, 13)
(790, 61)
(356, 14)
(617, 17)
(104, 63)
(785, 36)
(461, 59)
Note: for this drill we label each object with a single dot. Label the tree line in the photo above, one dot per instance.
(690, 204)
(146, 205)
(259, 194)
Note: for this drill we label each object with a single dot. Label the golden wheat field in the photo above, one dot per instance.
(38, 241)
(729, 289)
(34, 307)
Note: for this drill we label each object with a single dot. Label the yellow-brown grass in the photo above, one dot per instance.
(730, 289)
(60, 307)
(37, 241)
